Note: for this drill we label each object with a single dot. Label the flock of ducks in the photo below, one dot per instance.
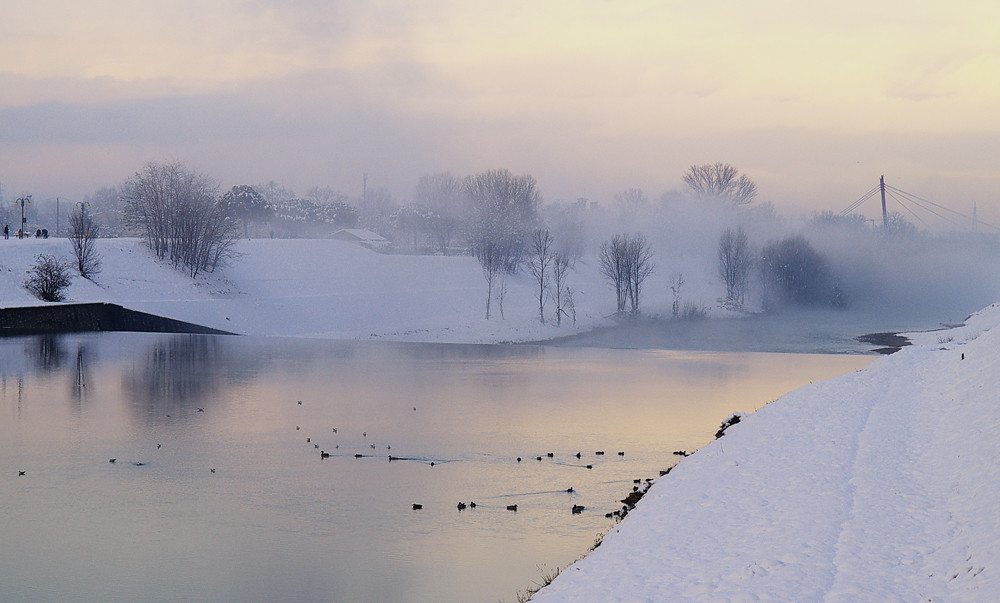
(461, 506)
(575, 509)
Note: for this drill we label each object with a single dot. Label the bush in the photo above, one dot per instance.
(693, 311)
(48, 277)
(792, 271)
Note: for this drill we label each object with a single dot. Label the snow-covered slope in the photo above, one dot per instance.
(879, 485)
(317, 288)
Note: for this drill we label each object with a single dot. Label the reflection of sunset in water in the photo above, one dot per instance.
(275, 521)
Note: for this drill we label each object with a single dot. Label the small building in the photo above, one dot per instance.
(363, 237)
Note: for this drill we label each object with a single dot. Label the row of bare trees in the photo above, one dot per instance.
(626, 262)
(178, 212)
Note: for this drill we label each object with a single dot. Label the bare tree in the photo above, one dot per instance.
(720, 181)
(539, 261)
(560, 268)
(177, 211)
(735, 262)
(626, 263)
(491, 259)
(445, 196)
(48, 277)
(569, 304)
(640, 266)
(501, 293)
(83, 233)
(630, 203)
(614, 268)
(675, 288)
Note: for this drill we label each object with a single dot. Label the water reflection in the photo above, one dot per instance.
(339, 528)
(49, 355)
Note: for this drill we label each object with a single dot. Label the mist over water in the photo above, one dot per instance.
(906, 280)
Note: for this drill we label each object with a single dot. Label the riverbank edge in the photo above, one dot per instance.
(90, 317)
(964, 331)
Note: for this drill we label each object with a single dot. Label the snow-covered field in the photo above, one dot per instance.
(880, 485)
(319, 288)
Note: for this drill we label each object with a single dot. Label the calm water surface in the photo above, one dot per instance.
(275, 521)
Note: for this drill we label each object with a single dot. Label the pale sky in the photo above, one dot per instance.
(813, 100)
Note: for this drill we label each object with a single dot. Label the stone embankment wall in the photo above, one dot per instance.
(73, 318)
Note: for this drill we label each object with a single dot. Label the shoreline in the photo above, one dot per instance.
(78, 317)
(876, 484)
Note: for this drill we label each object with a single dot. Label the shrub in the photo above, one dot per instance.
(792, 271)
(48, 277)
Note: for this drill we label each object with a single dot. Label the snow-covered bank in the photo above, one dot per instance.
(333, 289)
(316, 288)
(879, 485)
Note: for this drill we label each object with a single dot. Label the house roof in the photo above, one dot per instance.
(362, 234)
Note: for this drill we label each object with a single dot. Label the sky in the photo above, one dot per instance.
(812, 100)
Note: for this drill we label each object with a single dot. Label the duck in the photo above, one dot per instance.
(577, 509)
(323, 454)
(590, 466)
(417, 506)
(550, 454)
(461, 506)
(621, 453)
(570, 490)
(472, 504)
(112, 460)
(20, 473)
(512, 508)
(577, 455)
(599, 453)
(201, 410)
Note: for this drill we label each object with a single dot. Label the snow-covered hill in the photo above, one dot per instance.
(317, 288)
(879, 485)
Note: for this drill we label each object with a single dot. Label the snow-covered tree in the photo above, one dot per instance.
(245, 204)
(505, 212)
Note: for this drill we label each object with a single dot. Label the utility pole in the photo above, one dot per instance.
(57, 216)
(885, 215)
